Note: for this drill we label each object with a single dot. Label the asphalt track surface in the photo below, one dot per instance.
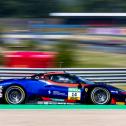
(63, 117)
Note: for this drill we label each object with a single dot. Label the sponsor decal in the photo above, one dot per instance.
(49, 92)
(86, 89)
(120, 103)
(114, 92)
(74, 94)
(58, 93)
(58, 100)
(56, 103)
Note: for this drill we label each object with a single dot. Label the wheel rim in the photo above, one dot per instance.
(100, 96)
(14, 95)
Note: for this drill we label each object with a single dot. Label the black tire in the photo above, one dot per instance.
(100, 96)
(14, 95)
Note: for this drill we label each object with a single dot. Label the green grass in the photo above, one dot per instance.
(99, 59)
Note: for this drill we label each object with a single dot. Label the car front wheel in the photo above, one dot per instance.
(100, 96)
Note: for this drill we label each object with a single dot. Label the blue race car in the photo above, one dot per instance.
(59, 87)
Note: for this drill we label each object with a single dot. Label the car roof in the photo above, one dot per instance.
(49, 73)
(56, 73)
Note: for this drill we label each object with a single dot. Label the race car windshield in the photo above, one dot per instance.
(86, 81)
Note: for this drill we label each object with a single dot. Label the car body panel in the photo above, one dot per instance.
(66, 92)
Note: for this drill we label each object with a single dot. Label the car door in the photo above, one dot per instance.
(55, 91)
(62, 92)
(63, 86)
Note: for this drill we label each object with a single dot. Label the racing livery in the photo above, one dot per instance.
(59, 87)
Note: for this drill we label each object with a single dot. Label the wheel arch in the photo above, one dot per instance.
(89, 89)
(18, 86)
(14, 84)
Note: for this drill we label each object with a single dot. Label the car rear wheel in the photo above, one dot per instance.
(15, 95)
(100, 96)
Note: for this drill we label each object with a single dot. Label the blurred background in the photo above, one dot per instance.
(30, 37)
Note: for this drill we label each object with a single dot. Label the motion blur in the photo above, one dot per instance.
(31, 37)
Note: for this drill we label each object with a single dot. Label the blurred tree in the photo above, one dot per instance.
(40, 8)
(65, 57)
(2, 60)
(30, 45)
(93, 5)
(103, 5)
(27, 8)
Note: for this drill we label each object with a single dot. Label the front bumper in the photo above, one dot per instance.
(119, 99)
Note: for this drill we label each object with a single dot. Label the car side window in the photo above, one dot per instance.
(63, 79)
